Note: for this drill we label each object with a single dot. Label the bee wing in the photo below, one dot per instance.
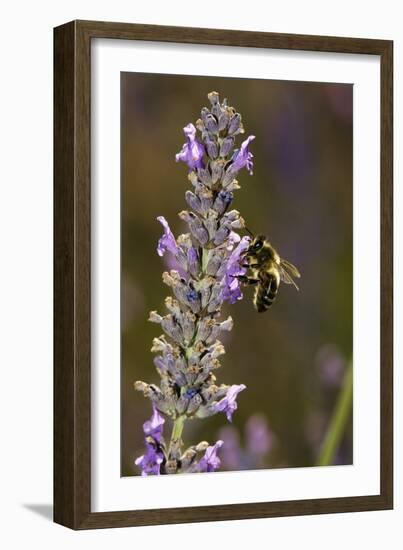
(290, 268)
(286, 277)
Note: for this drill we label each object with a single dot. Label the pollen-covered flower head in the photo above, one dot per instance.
(192, 151)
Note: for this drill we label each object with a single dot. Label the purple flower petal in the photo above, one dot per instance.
(243, 157)
(171, 263)
(192, 255)
(210, 461)
(228, 404)
(154, 426)
(167, 241)
(152, 459)
(192, 151)
(231, 286)
(150, 462)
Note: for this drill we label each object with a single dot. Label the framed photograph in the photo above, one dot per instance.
(222, 275)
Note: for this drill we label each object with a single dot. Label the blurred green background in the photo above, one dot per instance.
(293, 357)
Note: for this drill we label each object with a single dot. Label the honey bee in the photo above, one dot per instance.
(266, 270)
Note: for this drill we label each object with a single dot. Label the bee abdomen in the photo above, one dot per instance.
(265, 294)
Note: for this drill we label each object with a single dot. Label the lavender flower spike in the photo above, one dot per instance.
(209, 258)
(192, 151)
(229, 404)
(243, 157)
(167, 241)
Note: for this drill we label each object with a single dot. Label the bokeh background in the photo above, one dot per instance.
(292, 358)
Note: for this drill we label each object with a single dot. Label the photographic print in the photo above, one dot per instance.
(203, 269)
(236, 274)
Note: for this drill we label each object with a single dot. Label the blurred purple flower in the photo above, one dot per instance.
(259, 439)
(231, 291)
(210, 461)
(291, 140)
(243, 157)
(167, 241)
(231, 454)
(331, 365)
(192, 151)
(228, 404)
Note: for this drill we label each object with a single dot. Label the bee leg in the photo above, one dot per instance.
(247, 280)
(250, 265)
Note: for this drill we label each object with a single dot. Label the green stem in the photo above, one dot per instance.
(205, 259)
(338, 421)
(177, 430)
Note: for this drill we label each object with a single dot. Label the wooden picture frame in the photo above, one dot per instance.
(72, 272)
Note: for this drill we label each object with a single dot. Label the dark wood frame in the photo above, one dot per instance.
(72, 319)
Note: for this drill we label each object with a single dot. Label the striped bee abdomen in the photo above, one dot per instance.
(266, 270)
(266, 292)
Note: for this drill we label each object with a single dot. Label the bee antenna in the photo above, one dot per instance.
(249, 231)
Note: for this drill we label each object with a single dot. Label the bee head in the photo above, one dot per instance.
(257, 244)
